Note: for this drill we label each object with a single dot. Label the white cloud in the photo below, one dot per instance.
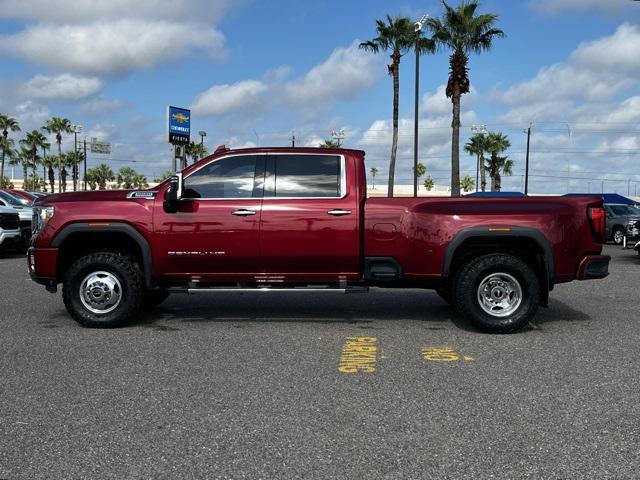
(31, 115)
(595, 71)
(343, 75)
(109, 48)
(61, 87)
(82, 11)
(221, 99)
(437, 104)
(618, 53)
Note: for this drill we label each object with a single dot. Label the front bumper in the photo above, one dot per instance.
(593, 267)
(42, 265)
(9, 236)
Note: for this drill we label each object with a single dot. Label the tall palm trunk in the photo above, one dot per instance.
(483, 176)
(33, 168)
(396, 99)
(493, 171)
(59, 167)
(52, 179)
(455, 145)
(5, 134)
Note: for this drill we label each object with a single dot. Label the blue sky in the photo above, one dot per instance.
(253, 71)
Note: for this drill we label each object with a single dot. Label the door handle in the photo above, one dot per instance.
(339, 212)
(243, 212)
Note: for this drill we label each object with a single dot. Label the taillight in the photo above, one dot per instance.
(598, 223)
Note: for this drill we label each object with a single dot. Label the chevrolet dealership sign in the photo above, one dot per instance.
(179, 122)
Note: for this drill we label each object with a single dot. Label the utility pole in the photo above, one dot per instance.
(85, 163)
(526, 162)
(418, 31)
(338, 136)
(293, 138)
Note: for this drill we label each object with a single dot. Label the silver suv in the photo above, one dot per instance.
(10, 234)
(25, 212)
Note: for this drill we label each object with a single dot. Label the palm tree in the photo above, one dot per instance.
(99, 176)
(467, 184)
(58, 126)
(48, 163)
(463, 32)
(22, 159)
(497, 143)
(9, 153)
(505, 166)
(374, 172)
(7, 124)
(74, 159)
(163, 177)
(329, 144)
(196, 151)
(33, 141)
(126, 178)
(398, 36)
(428, 183)
(140, 181)
(478, 146)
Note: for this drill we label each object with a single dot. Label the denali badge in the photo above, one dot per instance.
(194, 254)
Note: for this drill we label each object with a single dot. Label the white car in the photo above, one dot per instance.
(10, 233)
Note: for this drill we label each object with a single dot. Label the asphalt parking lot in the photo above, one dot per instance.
(265, 386)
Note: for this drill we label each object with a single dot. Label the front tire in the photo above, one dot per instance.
(103, 290)
(498, 293)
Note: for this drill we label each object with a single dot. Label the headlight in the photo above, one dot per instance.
(41, 215)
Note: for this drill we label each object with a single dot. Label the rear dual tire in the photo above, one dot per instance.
(498, 293)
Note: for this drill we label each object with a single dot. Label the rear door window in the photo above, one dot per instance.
(304, 176)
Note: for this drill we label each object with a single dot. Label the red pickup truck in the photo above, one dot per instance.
(299, 220)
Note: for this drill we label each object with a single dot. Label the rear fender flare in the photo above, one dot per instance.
(514, 232)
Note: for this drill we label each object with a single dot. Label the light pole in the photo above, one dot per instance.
(526, 161)
(76, 130)
(338, 136)
(478, 129)
(202, 134)
(418, 31)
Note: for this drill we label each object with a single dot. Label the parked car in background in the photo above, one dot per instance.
(10, 234)
(25, 214)
(29, 197)
(618, 218)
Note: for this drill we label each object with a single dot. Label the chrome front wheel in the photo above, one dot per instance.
(101, 292)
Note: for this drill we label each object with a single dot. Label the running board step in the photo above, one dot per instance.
(196, 290)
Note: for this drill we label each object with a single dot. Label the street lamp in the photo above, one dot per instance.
(202, 134)
(478, 129)
(418, 31)
(526, 161)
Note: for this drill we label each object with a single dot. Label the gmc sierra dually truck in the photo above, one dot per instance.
(299, 220)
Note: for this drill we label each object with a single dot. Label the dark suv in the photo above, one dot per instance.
(618, 216)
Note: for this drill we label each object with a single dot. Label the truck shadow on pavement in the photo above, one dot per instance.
(244, 310)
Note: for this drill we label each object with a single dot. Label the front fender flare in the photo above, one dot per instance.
(131, 232)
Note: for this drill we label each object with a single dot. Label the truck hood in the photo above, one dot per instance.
(90, 196)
